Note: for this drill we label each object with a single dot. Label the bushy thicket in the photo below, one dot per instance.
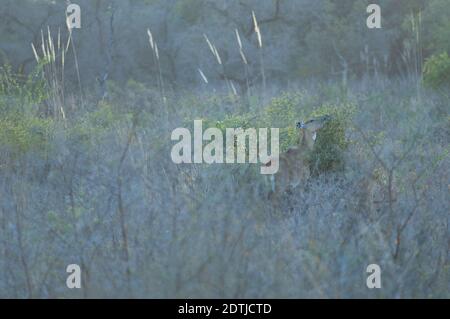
(303, 39)
(437, 71)
(86, 175)
(99, 189)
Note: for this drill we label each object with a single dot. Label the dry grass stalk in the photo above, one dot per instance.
(53, 70)
(216, 55)
(233, 88)
(156, 60)
(238, 39)
(59, 39)
(257, 30)
(156, 51)
(219, 60)
(244, 59)
(211, 47)
(150, 39)
(36, 56)
(261, 56)
(77, 68)
(205, 79)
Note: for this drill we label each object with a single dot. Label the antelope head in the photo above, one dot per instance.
(309, 130)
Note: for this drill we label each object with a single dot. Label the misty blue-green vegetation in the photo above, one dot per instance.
(86, 175)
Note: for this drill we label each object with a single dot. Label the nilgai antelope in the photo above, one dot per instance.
(293, 164)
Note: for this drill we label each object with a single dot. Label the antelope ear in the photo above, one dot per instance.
(314, 136)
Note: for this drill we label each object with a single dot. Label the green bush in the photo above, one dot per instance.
(436, 73)
(284, 112)
(92, 127)
(20, 134)
(21, 93)
(21, 129)
(331, 143)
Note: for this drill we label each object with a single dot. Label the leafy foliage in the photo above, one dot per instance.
(332, 142)
(21, 129)
(97, 187)
(437, 71)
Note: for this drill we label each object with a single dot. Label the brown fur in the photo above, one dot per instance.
(293, 164)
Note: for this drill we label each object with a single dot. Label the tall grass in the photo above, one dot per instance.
(209, 231)
(413, 52)
(157, 62)
(52, 62)
(261, 54)
(70, 41)
(245, 62)
(107, 196)
(223, 74)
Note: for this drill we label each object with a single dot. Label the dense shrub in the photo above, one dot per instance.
(107, 189)
(437, 71)
(284, 112)
(331, 143)
(21, 129)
